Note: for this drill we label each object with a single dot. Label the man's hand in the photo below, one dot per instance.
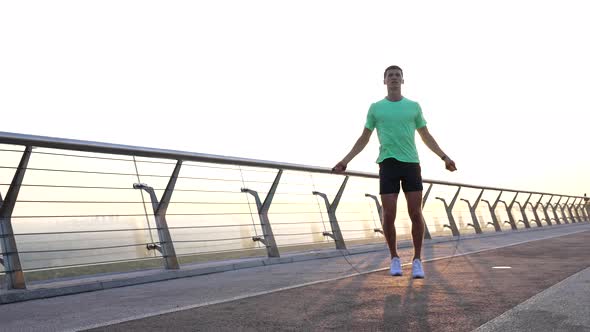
(450, 164)
(340, 167)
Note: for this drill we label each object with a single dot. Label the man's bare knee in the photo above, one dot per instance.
(415, 216)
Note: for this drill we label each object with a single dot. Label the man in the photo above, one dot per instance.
(396, 119)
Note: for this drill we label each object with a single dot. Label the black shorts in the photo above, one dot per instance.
(393, 171)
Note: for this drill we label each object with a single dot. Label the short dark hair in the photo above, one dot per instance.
(392, 67)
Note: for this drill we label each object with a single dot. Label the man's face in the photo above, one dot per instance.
(393, 78)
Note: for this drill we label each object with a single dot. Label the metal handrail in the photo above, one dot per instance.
(119, 149)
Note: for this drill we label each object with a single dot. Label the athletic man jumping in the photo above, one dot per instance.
(396, 119)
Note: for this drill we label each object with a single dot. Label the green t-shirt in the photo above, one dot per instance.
(396, 123)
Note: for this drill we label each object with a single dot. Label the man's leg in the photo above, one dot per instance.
(389, 202)
(414, 199)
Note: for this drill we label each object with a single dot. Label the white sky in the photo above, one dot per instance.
(502, 83)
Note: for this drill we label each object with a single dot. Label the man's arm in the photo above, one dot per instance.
(360, 144)
(433, 146)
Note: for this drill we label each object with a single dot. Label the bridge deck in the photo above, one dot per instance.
(462, 291)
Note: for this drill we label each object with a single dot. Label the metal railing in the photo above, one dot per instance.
(56, 219)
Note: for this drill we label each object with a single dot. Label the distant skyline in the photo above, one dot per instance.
(502, 84)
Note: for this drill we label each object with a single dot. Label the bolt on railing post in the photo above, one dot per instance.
(331, 207)
(563, 212)
(269, 241)
(534, 208)
(14, 275)
(449, 209)
(492, 208)
(472, 209)
(160, 208)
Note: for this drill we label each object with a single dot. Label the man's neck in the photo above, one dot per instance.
(394, 95)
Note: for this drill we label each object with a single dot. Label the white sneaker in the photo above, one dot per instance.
(396, 267)
(417, 271)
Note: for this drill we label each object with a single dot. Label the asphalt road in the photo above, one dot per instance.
(458, 294)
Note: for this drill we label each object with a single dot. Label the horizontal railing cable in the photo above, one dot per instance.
(71, 187)
(298, 234)
(209, 226)
(132, 174)
(80, 202)
(84, 249)
(56, 267)
(138, 202)
(134, 215)
(213, 240)
(82, 232)
(192, 254)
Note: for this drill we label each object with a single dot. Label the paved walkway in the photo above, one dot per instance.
(462, 291)
(563, 307)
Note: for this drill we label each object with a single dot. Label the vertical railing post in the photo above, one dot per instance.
(556, 217)
(509, 208)
(166, 246)
(583, 204)
(426, 231)
(492, 208)
(522, 208)
(511, 221)
(580, 209)
(379, 211)
(379, 208)
(268, 239)
(475, 224)
(336, 234)
(563, 212)
(587, 207)
(574, 214)
(545, 207)
(534, 208)
(15, 277)
(449, 209)
(569, 210)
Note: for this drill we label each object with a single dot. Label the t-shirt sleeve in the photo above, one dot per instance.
(420, 121)
(370, 124)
